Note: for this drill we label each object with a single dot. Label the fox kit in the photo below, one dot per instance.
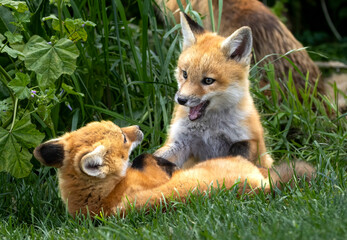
(213, 173)
(93, 166)
(95, 174)
(270, 35)
(215, 115)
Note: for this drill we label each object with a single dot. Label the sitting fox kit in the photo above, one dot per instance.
(95, 175)
(215, 115)
(270, 35)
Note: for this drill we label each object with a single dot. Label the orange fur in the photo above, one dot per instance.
(82, 192)
(229, 171)
(89, 184)
(231, 115)
(270, 35)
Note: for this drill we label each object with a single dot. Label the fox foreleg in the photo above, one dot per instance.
(176, 152)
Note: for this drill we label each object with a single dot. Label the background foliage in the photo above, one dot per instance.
(65, 63)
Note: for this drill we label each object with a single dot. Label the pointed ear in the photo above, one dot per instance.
(238, 45)
(50, 153)
(189, 30)
(92, 162)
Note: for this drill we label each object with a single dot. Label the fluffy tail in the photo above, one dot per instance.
(284, 172)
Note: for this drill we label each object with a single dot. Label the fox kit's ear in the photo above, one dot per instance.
(92, 162)
(238, 45)
(50, 153)
(189, 30)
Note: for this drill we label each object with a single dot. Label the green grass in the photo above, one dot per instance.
(126, 74)
(316, 212)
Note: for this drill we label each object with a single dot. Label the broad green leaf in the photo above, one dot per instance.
(14, 155)
(6, 116)
(19, 85)
(5, 105)
(22, 17)
(19, 6)
(2, 38)
(6, 20)
(75, 27)
(69, 90)
(50, 60)
(50, 17)
(10, 51)
(41, 81)
(56, 25)
(13, 53)
(13, 37)
(26, 133)
(19, 47)
(55, 22)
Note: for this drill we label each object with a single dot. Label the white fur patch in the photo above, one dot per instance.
(212, 135)
(92, 162)
(124, 169)
(229, 98)
(188, 35)
(54, 140)
(136, 143)
(242, 36)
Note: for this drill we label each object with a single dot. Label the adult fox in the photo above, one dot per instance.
(215, 115)
(95, 174)
(270, 36)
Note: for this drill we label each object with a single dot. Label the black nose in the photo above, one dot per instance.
(182, 101)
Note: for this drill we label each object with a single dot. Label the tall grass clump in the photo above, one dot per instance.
(83, 61)
(124, 73)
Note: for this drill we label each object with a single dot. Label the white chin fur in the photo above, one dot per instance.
(136, 143)
(228, 98)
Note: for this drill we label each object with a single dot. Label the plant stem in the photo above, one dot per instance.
(9, 79)
(3, 71)
(14, 114)
(60, 6)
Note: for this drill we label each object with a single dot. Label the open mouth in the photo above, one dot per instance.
(197, 111)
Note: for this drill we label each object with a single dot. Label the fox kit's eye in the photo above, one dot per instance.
(185, 74)
(208, 81)
(125, 138)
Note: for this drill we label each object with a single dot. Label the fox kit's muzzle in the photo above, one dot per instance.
(196, 106)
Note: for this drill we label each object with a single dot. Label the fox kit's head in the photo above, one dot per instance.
(94, 159)
(212, 71)
(98, 150)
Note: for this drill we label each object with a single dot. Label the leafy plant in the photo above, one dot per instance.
(34, 78)
(80, 71)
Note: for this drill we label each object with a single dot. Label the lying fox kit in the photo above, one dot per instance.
(226, 171)
(93, 166)
(94, 172)
(215, 115)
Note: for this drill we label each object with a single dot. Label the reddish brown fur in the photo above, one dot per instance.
(205, 59)
(215, 173)
(83, 193)
(269, 34)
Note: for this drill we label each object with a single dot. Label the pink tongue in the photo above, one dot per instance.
(195, 112)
